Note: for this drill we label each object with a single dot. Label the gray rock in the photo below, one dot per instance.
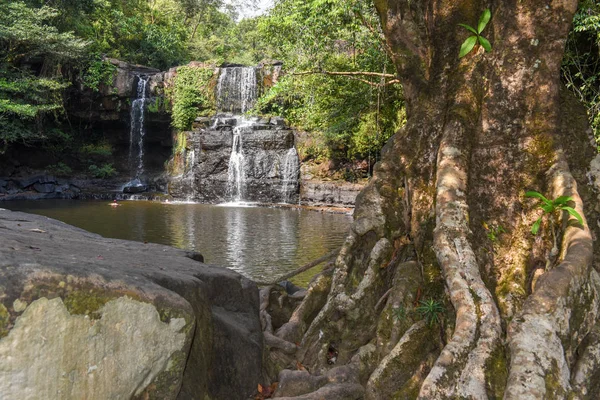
(265, 150)
(279, 121)
(144, 317)
(135, 189)
(333, 193)
(26, 182)
(44, 187)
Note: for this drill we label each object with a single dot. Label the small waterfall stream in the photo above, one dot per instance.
(137, 133)
(289, 176)
(236, 176)
(237, 90)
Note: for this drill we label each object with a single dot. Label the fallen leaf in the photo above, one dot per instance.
(260, 388)
(300, 367)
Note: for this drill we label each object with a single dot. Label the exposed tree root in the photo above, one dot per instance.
(585, 378)
(460, 369)
(402, 371)
(545, 335)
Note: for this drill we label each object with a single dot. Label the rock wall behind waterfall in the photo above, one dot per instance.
(205, 176)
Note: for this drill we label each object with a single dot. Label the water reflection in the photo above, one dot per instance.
(258, 242)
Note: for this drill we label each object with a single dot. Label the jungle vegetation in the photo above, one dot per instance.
(340, 88)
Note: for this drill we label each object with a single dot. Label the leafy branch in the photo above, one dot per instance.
(470, 42)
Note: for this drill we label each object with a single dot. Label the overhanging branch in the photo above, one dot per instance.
(356, 75)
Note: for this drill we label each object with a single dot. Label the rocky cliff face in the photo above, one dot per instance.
(207, 168)
(106, 114)
(86, 317)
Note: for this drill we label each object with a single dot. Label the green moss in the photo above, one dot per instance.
(554, 390)
(542, 151)
(4, 321)
(168, 382)
(496, 373)
(409, 391)
(87, 302)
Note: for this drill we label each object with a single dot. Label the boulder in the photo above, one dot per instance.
(329, 193)
(82, 316)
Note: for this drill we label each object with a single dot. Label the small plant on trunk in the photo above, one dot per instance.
(471, 41)
(431, 311)
(551, 207)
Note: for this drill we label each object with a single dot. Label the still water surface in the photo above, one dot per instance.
(260, 243)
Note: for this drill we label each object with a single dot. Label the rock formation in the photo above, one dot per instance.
(86, 317)
(207, 174)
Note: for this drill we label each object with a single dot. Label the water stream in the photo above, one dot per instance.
(137, 133)
(237, 89)
(290, 172)
(236, 175)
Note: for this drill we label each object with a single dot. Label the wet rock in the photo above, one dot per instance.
(100, 318)
(279, 121)
(135, 189)
(264, 148)
(29, 181)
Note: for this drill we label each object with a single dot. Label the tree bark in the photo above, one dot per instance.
(445, 219)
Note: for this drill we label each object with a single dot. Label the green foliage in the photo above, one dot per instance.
(27, 32)
(431, 311)
(103, 172)
(102, 150)
(27, 100)
(156, 105)
(192, 93)
(98, 73)
(346, 118)
(550, 207)
(471, 41)
(581, 64)
(493, 231)
(400, 313)
(60, 169)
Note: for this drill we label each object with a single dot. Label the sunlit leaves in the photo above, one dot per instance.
(549, 207)
(467, 46)
(483, 20)
(471, 41)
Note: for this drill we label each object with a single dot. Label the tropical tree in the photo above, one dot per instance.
(520, 321)
(339, 83)
(32, 53)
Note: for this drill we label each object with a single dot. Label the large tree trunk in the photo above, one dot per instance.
(482, 130)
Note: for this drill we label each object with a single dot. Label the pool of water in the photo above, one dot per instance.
(260, 243)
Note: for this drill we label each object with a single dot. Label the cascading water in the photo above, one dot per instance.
(237, 89)
(137, 132)
(289, 175)
(236, 159)
(235, 174)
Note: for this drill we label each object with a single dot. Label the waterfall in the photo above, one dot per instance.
(289, 176)
(137, 131)
(235, 175)
(237, 89)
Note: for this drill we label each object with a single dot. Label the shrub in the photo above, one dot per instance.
(103, 172)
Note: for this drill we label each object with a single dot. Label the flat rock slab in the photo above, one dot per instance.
(82, 316)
